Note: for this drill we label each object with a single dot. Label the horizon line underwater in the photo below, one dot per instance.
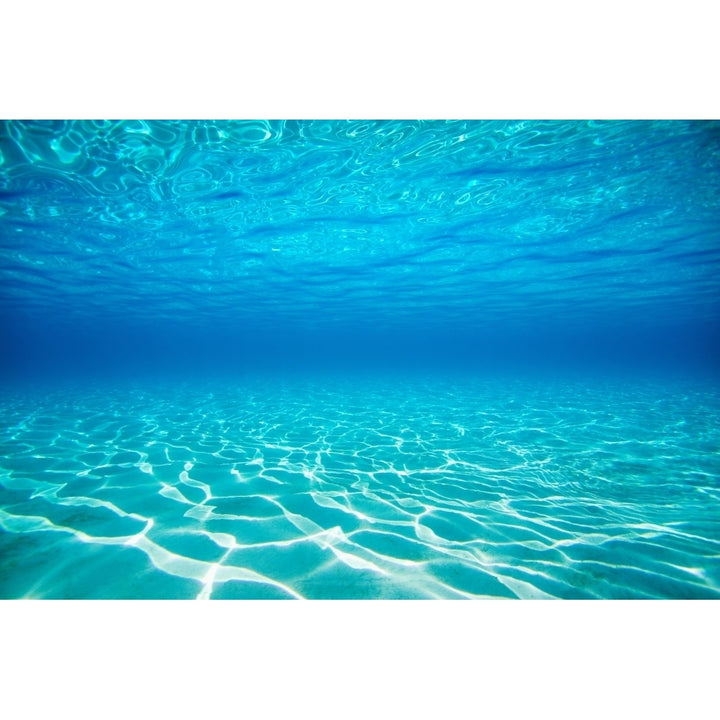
(363, 359)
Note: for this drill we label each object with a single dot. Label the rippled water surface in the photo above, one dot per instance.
(319, 223)
(362, 488)
(359, 359)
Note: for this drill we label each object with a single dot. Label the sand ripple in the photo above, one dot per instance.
(361, 489)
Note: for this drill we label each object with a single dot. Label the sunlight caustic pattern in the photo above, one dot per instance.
(361, 489)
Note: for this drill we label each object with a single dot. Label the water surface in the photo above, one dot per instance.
(359, 359)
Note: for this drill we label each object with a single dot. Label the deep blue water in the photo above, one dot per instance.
(327, 359)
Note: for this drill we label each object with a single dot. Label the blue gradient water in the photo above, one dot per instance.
(359, 359)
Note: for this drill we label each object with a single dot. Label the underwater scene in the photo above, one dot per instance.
(391, 359)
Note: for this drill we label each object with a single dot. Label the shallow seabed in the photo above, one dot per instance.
(362, 488)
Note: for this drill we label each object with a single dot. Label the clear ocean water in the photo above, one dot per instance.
(359, 359)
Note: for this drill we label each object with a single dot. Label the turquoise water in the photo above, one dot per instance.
(362, 489)
(393, 359)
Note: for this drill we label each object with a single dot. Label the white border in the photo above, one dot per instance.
(334, 59)
(328, 659)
